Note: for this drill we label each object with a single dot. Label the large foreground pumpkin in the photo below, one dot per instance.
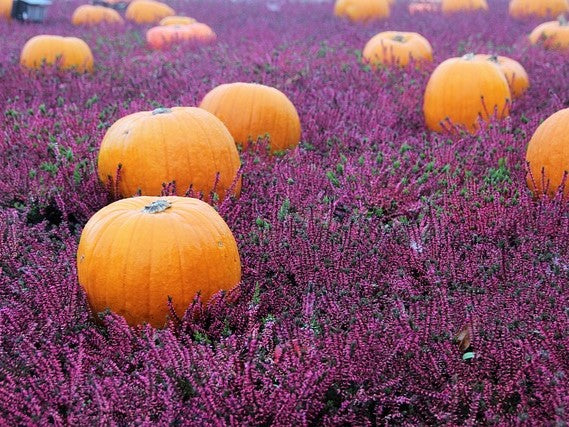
(539, 8)
(251, 110)
(135, 253)
(464, 89)
(148, 11)
(452, 6)
(183, 144)
(93, 15)
(397, 47)
(362, 10)
(515, 73)
(548, 150)
(67, 52)
(553, 34)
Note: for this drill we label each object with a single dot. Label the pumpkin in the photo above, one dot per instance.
(362, 10)
(201, 33)
(6, 9)
(187, 145)
(177, 20)
(165, 35)
(548, 150)
(251, 110)
(424, 6)
(521, 9)
(93, 15)
(393, 47)
(148, 11)
(135, 253)
(464, 89)
(514, 72)
(452, 6)
(553, 34)
(66, 52)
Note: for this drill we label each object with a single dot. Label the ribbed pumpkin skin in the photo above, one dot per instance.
(251, 110)
(6, 9)
(74, 53)
(553, 35)
(177, 20)
(549, 149)
(455, 88)
(362, 10)
(452, 6)
(522, 9)
(148, 11)
(187, 145)
(92, 15)
(515, 73)
(130, 261)
(393, 47)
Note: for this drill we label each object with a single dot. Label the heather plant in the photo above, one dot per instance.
(390, 275)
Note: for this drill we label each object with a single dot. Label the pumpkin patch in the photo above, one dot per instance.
(284, 213)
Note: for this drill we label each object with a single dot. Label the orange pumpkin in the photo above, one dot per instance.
(362, 10)
(201, 33)
(452, 6)
(6, 9)
(177, 20)
(548, 150)
(424, 6)
(148, 11)
(183, 144)
(135, 253)
(251, 110)
(66, 52)
(521, 9)
(393, 47)
(553, 35)
(515, 73)
(464, 89)
(93, 15)
(165, 35)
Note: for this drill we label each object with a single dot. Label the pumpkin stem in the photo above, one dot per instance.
(398, 38)
(468, 56)
(161, 111)
(562, 20)
(157, 206)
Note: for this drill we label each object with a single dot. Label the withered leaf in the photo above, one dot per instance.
(464, 338)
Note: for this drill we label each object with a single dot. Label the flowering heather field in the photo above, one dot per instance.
(364, 251)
